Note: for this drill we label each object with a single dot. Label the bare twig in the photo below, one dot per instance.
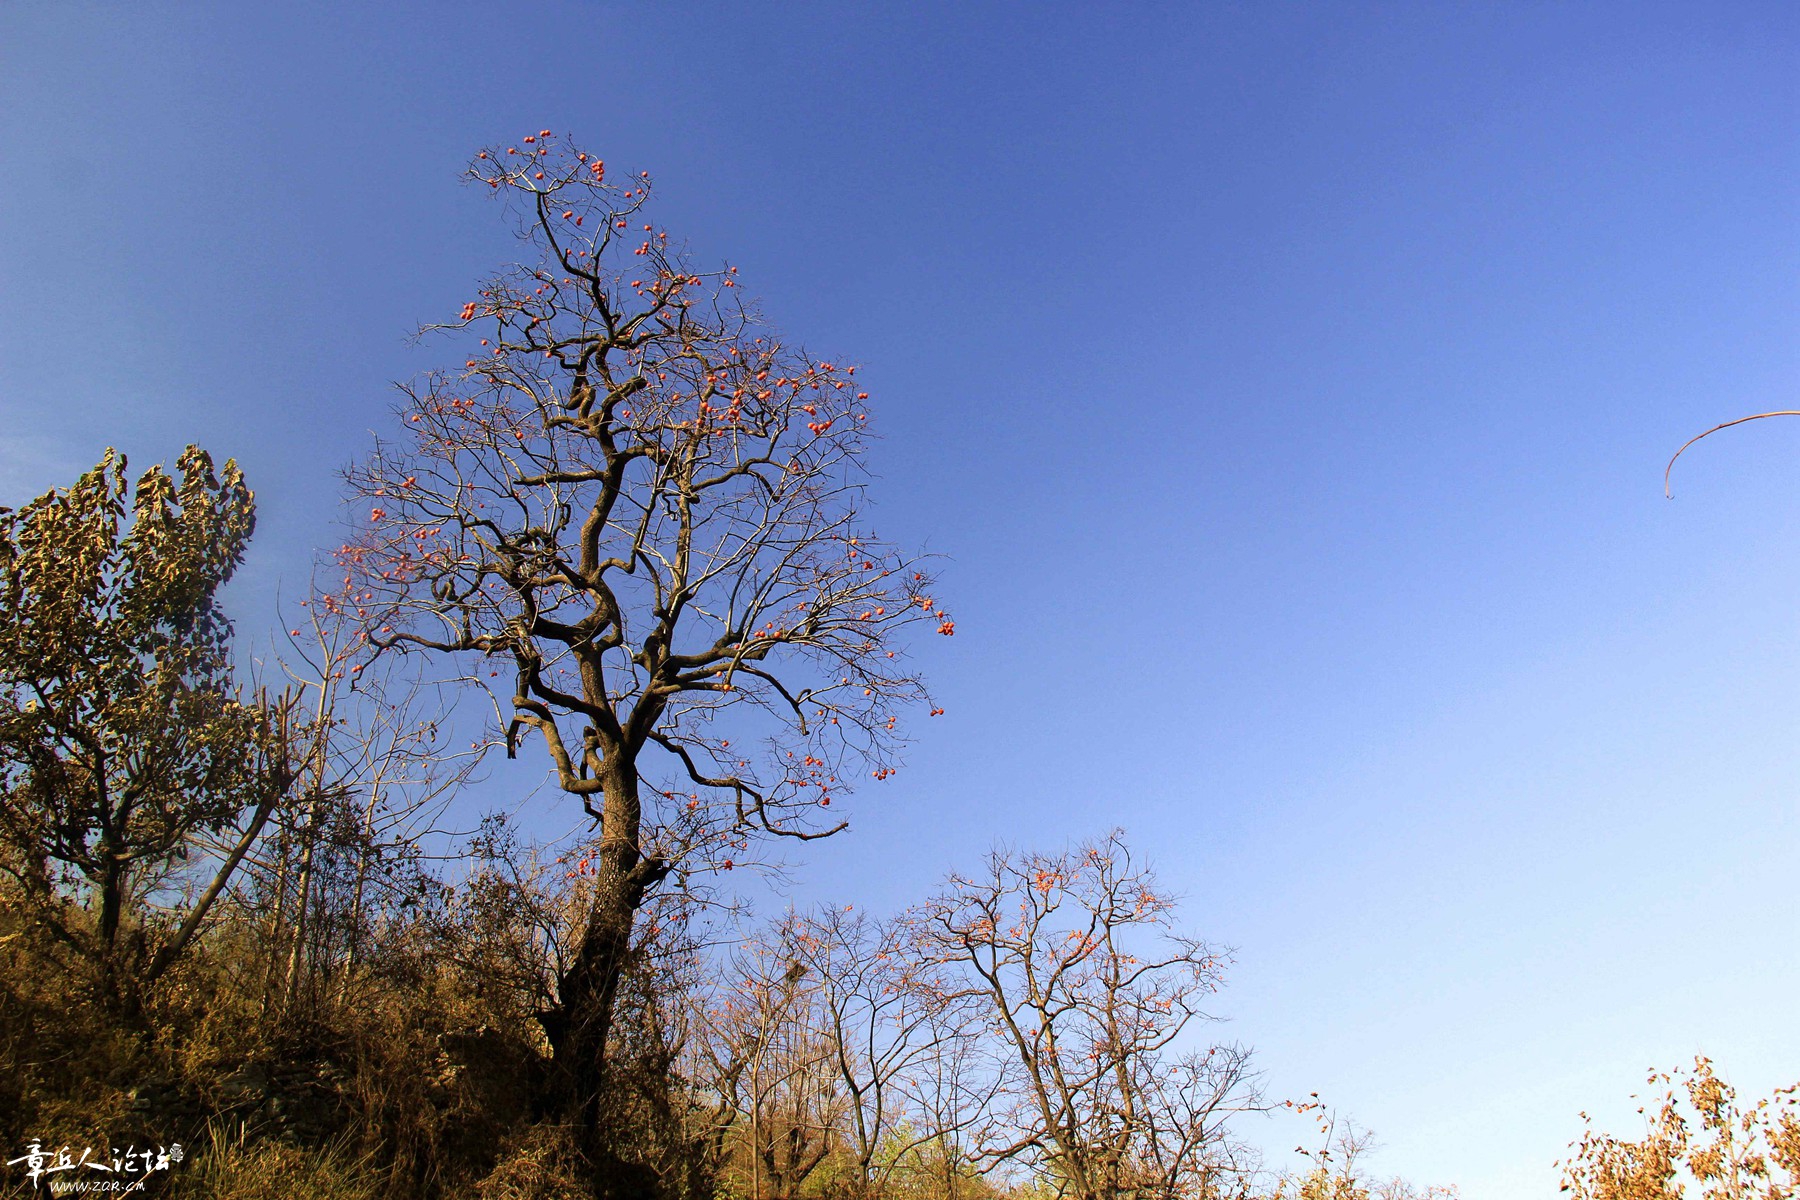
(1786, 412)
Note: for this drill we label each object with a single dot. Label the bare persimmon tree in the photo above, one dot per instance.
(637, 514)
(1096, 997)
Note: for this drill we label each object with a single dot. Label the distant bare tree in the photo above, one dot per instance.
(1096, 997)
(893, 1027)
(773, 1062)
(955, 1096)
(377, 774)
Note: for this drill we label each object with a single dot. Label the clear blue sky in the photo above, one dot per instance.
(1287, 385)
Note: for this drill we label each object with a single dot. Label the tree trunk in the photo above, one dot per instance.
(580, 1029)
(296, 963)
(277, 920)
(117, 979)
(364, 852)
(309, 837)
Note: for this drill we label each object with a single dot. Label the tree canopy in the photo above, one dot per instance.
(124, 740)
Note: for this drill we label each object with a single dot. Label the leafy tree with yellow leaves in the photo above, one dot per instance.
(1725, 1151)
(134, 773)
